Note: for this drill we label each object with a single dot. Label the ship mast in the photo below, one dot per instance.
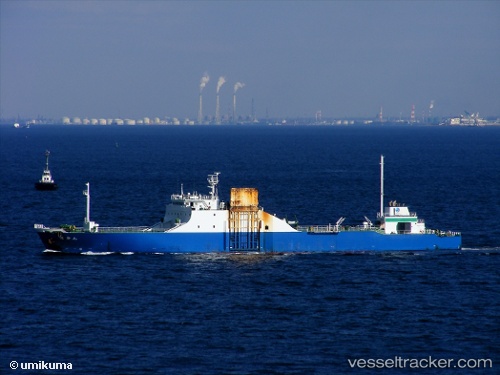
(381, 214)
(87, 194)
(47, 153)
(89, 226)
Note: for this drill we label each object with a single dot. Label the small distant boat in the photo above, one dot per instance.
(46, 182)
(19, 126)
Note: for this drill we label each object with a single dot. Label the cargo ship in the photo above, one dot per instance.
(196, 223)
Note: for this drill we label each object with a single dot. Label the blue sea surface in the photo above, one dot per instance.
(250, 314)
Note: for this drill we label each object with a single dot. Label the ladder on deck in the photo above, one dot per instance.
(244, 231)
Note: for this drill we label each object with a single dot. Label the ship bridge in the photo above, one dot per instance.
(181, 205)
(398, 219)
(197, 201)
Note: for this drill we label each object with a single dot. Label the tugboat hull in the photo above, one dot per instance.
(45, 186)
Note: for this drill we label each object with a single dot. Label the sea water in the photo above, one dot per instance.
(251, 314)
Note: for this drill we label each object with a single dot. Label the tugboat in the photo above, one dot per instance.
(46, 182)
(196, 223)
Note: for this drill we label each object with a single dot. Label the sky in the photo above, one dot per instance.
(132, 59)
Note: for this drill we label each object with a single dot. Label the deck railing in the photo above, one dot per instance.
(344, 228)
(71, 229)
(331, 228)
(301, 228)
(131, 229)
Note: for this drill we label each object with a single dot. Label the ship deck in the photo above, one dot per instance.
(319, 229)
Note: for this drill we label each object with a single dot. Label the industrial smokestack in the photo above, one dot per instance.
(234, 108)
(200, 111)
(217, 114)
(237, 86)
(221, 81)
(203, 82)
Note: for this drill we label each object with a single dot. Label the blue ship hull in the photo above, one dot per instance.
(150, 242)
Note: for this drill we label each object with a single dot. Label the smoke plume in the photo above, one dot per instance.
(222, 80)
(203, 82)
(237, 86)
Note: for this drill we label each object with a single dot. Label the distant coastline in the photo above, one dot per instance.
(466, 119)
(258, 124)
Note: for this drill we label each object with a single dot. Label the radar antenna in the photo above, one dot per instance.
(213, 181)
